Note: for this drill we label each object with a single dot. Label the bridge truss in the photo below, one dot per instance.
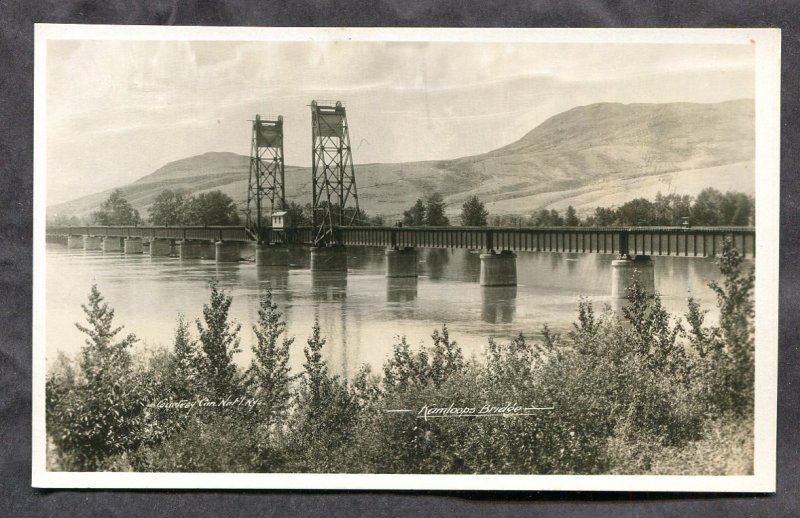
(332, 174)
(266, 183)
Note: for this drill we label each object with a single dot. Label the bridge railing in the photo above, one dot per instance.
(674, 241)
(217, 233)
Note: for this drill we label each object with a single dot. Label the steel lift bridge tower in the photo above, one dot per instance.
(266, 183)
(332, 175)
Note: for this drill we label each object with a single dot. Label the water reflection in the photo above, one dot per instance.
(329, 286)
(436, 259)
(272, 277)
(471, 266)
(401, 289)
(571, 261)
(364, 258)
(498, 304)
(227, 274)
(299, 256)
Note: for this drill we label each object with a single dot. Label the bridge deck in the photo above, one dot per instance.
(657, 241)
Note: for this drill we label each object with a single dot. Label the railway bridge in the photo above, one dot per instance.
(632, 249)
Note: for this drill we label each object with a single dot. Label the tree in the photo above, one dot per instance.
(604, 217)
(415, 216)
(97, 411)
(547, 218)
(169, 208)
(297, 215)
(706, 209)
(474, 213)
(100, 351)
(186, 362)
(636, 212)
(269, 370)
(737, 311)
(670, 209)
(116, 210)
(736, 209)
(434, 211)
(571, 217)
(211, 208)
(62, 220)
(219, 340)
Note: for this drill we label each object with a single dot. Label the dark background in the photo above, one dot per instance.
(17, 17)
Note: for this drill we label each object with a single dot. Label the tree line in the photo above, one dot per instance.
(637, 392)
(174, 207)
(710, 208)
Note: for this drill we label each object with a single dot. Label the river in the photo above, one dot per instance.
(361, 312)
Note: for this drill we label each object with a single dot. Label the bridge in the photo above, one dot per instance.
(335, 223)
(632, 247)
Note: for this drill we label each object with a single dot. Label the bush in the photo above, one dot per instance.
(96, 410)
(625, 392)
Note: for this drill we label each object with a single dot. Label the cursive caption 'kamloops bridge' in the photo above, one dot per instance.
(334, 228)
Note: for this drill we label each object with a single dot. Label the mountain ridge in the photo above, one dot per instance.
(601, 145)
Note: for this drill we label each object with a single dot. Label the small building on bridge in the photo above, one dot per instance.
(278, 220)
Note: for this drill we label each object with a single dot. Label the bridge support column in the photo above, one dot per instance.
(328, 258)
(112, 244)
(160, 248)
(401, 262)
(498, 269)
(227, 251)
(92, 243)
(74, 241)
(272, 255)
(132, 245)
(189, 250)
(626, 270)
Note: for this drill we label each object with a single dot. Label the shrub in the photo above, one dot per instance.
(219, 341)
(96, 411)
(269, 371)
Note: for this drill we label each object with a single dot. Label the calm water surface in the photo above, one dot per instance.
(360, 312)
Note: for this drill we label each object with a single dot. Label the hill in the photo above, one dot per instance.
(597, 155)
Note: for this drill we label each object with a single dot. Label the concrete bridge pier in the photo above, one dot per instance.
(272, 255)
(74, 241)
(498, 268)
(160, 248)
(227, 252)
(132, 245)
(92, 243)
(328, 258)
(625, 270)
(401, 262)
(112, 244)
(189, 249)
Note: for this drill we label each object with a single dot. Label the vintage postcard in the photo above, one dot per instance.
(473, 259)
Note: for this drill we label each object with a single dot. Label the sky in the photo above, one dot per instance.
(119, 110)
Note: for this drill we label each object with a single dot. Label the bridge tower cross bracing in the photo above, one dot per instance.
(266, 187)
(333, 177)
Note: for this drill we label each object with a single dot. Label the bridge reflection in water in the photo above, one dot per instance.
(498, 304)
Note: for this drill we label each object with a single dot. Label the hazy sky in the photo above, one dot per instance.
(118, 110)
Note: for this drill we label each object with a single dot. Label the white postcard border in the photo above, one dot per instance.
(767, 77)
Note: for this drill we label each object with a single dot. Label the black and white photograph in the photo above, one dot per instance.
(405, 258)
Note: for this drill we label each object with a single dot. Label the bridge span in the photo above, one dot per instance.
(632, 247)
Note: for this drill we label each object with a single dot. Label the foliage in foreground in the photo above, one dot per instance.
(630, 393)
